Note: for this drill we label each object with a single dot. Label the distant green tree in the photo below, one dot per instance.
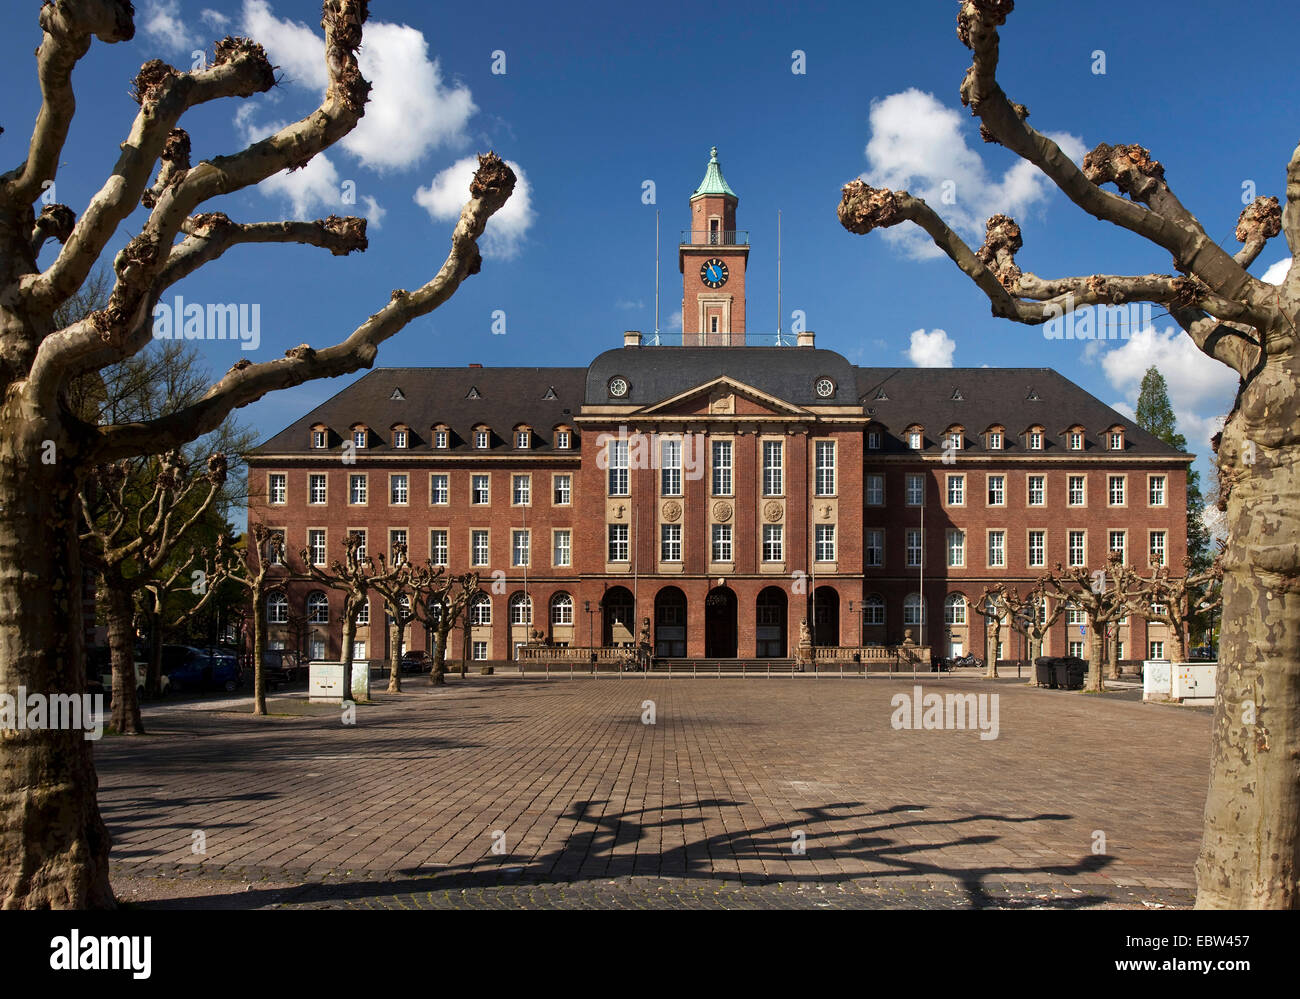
(1155, 415)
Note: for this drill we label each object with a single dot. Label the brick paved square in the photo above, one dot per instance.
(731, 776)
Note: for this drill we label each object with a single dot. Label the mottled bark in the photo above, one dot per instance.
(396, 629)
(121, 643)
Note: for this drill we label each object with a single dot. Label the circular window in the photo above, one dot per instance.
(618, 387)
(825, 388)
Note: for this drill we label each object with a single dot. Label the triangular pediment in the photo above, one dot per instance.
(724, 396)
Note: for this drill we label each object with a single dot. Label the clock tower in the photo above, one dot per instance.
(712, 258)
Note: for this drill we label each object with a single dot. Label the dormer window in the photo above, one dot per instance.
(441, 438)
(359, 437)
(562, 440)
(481, 439)
(873, 440)
(1117, 440)
(523, 439)
(1035, 440)
(995, 440)
(954, 440)
(400, 438)
(914, 439)
(318, 437)
(1076, 440)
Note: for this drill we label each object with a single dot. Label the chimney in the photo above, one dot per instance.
(806, 338)
(631, 338)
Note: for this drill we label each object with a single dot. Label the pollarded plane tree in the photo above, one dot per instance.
(351, 577)
(135, 513)
(1032, 616)
(392, 579)
(261, 568)
(1175, 600)
(440, 602)
(198, 588)
(1105, 596)
(994, 608)
(53, 843)
(1250, 855)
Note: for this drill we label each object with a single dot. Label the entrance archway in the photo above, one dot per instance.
(720, 623)
(770, 617)
(826, 616)
(670, 623)
(616, 617)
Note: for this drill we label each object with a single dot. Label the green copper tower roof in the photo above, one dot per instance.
(714, 182)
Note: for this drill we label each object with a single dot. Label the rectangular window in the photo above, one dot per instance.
(397, 489)
(825, 542)
(875, 548)
(359, 438)
(915, 489)
(873, 440)
(357, 489)
(914, 549)
(997, 490)
(773, 468)
(914, 440)
(1119, 648)
(316, 546)
(563, 554)
(522, 439)
(1156, 490)
(954, 441)
(1156, 650)
(1117, 442)
(399, 438)
(956, 548)
(318, 438)
(1037, 490)
(1117, 544)
(995, 441)
(956, 490)
(997, 549)
(1157, 547)
(618, 548)
(825, 468)
(670, 542)
(359, 533)
(440, 439)
(439, 490)
(279, 489)
(1115, 490)
(481, 439)
(670, 468)
(874, 611)
(1075, 618)
(563, 493)
(315, 489)
(438, 547)
(480, 652)
(722, 468)
(773, 543)
(1076, 441)
(480, 490)
(1076, 649)
(1078, 491)
(618, 468)
(396, 541)
(1037, 548)
(520, 545)
(478, 546)
(1035, 441)
(875, 490)
(521, 490)
(562, 440)
(721, 543)
(1078, 548)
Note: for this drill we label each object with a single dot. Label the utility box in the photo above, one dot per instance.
(361, 680)
(1195, 683)
(1157, 683)
(325, 682)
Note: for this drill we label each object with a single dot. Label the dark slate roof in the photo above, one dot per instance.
(506, 397)
(658, 373)
(990, 396)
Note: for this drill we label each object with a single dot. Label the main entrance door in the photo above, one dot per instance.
(720, 623)
(670, 623)
(769, 623)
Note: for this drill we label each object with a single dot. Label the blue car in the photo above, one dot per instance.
(191, 669)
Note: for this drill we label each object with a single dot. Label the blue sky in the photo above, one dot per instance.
(596, 99)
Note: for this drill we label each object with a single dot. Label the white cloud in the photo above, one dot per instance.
(674, 321)
(917, 144)
(931, 350)
(629, 304)
(1200, 388)
(411, 109)
(1277, 273)
(449, 190)
(314, 190)
(375, 212)
(162, 24)
(214, 19)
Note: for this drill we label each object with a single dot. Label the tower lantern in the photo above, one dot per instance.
(712, 258)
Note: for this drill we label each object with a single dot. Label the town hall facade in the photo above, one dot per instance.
(724, 493)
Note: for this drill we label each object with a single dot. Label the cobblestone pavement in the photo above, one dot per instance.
(789, 792)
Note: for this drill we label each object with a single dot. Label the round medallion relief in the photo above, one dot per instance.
(672, 511)
(772, 512)
(722, 510)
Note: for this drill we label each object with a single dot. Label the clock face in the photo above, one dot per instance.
(714, 273)
(825, 388)
(618, 387)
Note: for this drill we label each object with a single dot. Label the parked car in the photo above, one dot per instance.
(188, 668)
(99, 666)
(281, 666)
(1204, 654)
(417, 661)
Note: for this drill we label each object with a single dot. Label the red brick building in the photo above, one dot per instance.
(722, 491)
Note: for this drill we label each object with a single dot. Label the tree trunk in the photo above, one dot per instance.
(259, 650)
(53, 844)
(991, 654)
(438, 677)
(153, 678)
(1250, 853)
(1093, 683)
(1112, 650)
(1177, 650)
(349, 641)
(395, 657)
(121, 644)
